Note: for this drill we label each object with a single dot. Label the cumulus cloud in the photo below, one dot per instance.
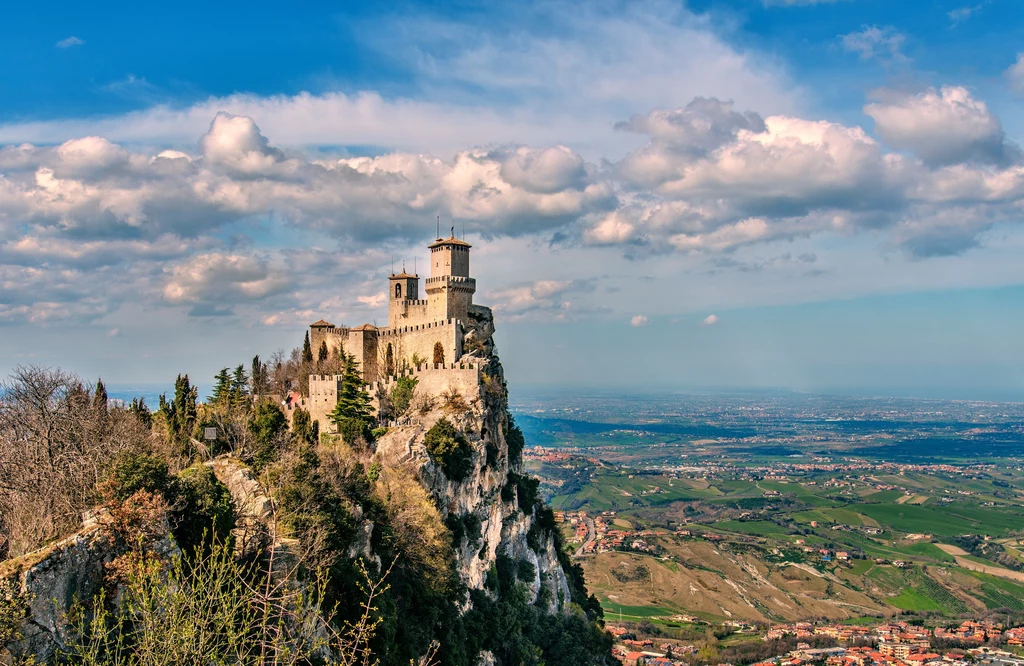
(550, 300)
(638, 321)
(883, 43)
(945, 126)
(710, 320)
(712, 178)
(214, 283)
(68, 42)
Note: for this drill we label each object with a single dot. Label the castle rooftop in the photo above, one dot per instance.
(323, 323)
(403, 274)
(451, 240)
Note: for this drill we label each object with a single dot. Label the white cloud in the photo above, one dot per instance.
(961, 14)
(68, 42)
(710, 320)
(500, 82)
(1015, 74)
(946, 126)
(884, 43)
(374, 301)
(639, 321)
(214, 283)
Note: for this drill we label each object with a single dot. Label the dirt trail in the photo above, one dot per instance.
(958, 554)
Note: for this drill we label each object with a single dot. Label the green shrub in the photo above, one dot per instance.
(131, 472)
(401, 394)
(449, 448)
(203, 511)
(526, 571)
(268, 426)
(515, 440)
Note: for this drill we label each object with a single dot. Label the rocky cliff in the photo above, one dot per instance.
(487, 495)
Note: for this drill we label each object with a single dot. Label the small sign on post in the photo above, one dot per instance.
(209, 434)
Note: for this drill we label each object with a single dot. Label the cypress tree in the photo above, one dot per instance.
(259, 377)
(321, 355)
(180, 415)
(239, 388)
(99, 397)
(307, 351)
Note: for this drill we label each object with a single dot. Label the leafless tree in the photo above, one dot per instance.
(55, 441)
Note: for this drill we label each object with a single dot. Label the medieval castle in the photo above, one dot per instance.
(424, 335)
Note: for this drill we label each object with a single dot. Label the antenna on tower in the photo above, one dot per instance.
(414, 270)
(438, 226)
(392, 264)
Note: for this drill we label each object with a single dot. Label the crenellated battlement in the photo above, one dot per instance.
(392, 332)
(455, 281)
(471, 369)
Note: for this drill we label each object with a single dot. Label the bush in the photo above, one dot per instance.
(268, 426)
(203, 511)
(449, 448)
(401, 394)
(131, 472)
(515, 440)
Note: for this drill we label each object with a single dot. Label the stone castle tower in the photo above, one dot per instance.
(422, 332)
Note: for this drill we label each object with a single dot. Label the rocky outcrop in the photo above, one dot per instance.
(505, 526)
(64, 573)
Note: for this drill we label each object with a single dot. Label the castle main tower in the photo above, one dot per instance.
(449, 288)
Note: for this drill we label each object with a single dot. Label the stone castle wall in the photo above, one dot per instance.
(434, 381)
(408, 341)
(323, 397)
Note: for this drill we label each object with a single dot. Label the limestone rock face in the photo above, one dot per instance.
(58, 576)
(504, 525)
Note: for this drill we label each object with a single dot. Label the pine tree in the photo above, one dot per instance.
(353, 399)
(221, 389)
(307, 351)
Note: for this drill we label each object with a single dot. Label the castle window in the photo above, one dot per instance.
(398, 290)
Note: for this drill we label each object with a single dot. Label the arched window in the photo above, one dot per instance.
(398, 290)
(438, 354)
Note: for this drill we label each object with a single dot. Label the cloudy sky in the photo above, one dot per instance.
(807, 194)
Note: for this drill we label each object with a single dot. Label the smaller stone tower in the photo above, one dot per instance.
(404, 304)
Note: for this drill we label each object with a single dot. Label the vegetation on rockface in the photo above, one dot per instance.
(327, 496)
(450, 449)
(504, 622)
(216, 609)
(199, 506)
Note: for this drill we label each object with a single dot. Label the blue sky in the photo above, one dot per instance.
(823, 196)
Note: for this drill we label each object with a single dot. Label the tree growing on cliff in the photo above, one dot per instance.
(450, 449)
